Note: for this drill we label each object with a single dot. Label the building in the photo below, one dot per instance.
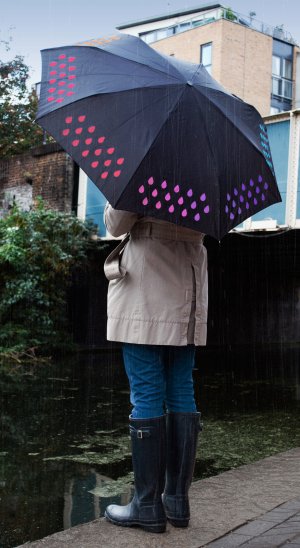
(257, 62)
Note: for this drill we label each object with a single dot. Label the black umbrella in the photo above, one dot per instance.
(156, 135)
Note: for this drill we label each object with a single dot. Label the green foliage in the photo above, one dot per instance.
(18, 106)
(37, 252)
(229, 14)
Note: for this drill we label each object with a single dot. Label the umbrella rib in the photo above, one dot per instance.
(232, 123)
(157, 135)
(212, 152)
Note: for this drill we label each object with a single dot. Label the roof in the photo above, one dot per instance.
(202, 7)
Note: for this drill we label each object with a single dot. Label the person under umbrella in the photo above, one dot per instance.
(158, 309)
(177, 156)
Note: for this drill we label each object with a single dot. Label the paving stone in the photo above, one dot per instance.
(254, 528)
(230, 541)
(272, 541)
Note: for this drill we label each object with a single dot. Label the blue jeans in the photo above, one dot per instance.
(160, 379)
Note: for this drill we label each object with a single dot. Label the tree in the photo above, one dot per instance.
(38, 250)
(18, 106)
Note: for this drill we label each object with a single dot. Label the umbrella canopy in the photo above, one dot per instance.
(157, 136)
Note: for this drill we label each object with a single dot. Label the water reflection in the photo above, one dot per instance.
(65, 450)
(83, 500)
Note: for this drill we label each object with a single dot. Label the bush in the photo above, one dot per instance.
(37, 252)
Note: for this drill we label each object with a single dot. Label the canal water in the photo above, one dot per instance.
(65, 451)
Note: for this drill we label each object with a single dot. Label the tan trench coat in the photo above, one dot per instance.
(163, 297)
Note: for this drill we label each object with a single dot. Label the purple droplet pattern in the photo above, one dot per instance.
(250, 195)
(172, 198)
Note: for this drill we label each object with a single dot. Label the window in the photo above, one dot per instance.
(276, 86)
(206, 56)
(276, 65)
(287, 68)
(282, 85)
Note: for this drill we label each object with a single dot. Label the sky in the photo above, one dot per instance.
(39, 24)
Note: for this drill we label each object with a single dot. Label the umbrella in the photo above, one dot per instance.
(157, 136)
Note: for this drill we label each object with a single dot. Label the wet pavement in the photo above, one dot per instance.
(254, 505)
(279, 527)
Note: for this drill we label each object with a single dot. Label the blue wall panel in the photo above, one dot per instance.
(278, 133)
(95, 203)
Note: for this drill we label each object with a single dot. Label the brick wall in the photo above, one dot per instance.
(246, 65)
(45, 171)
(241, 58)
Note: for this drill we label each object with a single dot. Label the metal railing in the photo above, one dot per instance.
(248, 21)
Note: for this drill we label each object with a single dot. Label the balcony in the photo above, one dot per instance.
(214, 15)
(282, 87)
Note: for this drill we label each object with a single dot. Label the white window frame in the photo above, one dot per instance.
(202, 46)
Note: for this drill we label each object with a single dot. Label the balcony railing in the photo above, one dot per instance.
(282, 87)
(228, 14)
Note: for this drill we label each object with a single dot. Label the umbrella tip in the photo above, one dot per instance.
(189, 83)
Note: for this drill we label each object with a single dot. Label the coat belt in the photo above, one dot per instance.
(166, 231)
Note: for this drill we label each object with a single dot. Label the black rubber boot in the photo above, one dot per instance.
(148, 441)
(182, 435)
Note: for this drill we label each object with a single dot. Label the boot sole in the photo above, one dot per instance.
(178, 523)
(145, 526)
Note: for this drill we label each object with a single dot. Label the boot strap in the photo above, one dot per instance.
(139, 433)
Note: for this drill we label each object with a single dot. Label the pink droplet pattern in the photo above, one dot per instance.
(62, 78)
(174, 199)
(104, 162)
(250, 194)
